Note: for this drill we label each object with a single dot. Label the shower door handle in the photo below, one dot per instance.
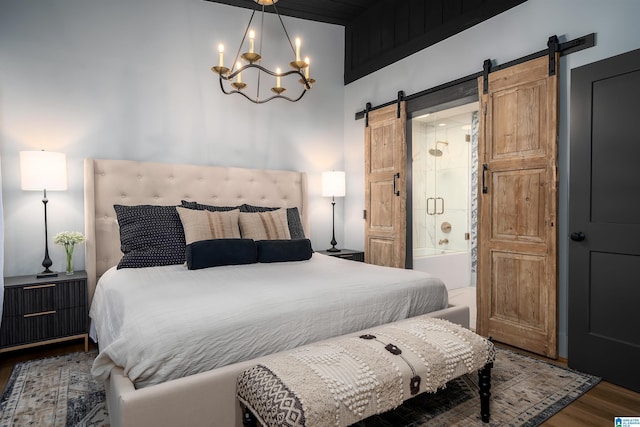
(485, 189)
(429, 211)
(395, 183)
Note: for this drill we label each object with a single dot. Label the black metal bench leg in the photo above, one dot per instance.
(248, 419)
(484, 376)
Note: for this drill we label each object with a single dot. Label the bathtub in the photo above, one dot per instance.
(454, 268)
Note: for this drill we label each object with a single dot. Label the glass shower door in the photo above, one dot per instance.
(441, 144)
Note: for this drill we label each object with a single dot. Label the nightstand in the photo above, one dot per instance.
(44, 311)
(345, 254)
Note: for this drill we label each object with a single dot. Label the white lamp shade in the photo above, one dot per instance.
(43, 170)
(333, 184)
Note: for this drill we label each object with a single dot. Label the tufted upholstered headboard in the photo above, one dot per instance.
(125, 182)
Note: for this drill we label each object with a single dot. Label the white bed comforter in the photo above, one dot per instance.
(162, 323)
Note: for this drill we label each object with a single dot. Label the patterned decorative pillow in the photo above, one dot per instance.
(293, 219)
(200, 207)
(205, 225)
(284, 250)
(150, 236)
(214, 253)
(269, 225)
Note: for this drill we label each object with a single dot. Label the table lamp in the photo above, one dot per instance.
(42, 171)
(333, 185)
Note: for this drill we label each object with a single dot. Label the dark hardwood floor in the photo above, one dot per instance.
(597, 407)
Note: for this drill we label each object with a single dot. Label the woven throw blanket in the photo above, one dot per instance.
(347, 379)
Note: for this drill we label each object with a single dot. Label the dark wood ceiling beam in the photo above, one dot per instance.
(394, 29)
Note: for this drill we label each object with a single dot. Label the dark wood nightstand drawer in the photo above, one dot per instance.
(20, 300)
(39, 297)
(19, 330)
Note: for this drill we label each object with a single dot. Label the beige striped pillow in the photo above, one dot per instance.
(270, 225)
(206, 225)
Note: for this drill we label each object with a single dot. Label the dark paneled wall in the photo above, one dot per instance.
(394, 29)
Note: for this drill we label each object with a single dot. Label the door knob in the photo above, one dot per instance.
(577, 236)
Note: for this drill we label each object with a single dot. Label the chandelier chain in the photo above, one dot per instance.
(283, 27)
(244, 37)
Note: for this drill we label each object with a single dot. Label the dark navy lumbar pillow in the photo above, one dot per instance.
(284, 250)
(218, 252)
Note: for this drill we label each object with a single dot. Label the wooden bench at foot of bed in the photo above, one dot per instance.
(344, 380)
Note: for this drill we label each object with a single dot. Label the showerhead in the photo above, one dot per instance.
(435, 151)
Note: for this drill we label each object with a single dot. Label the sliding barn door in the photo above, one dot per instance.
(518, 207)
(385, 186)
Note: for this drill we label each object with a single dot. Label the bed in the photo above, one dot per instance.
(195, 395)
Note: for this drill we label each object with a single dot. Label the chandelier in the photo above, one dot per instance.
(231, 80)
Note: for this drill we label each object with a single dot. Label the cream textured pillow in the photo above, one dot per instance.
(271, 225)
(207, 225)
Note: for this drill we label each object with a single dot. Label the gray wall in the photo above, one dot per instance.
(131, 79)
(513, 34)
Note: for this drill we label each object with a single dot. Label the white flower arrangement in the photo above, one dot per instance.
(69, 239)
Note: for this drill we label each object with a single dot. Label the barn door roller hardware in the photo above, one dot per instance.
(564, 48)
(486, 67)
(554, 46)
(367, 109)
(400, 99)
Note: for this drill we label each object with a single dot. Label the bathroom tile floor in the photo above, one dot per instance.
(465, 296)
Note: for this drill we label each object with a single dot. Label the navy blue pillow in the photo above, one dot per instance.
(217, 252)
(150, 236)
(293, 219)
(284, 250)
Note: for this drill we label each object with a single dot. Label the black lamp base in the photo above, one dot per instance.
(333, 231)
(46, 273)
(46, 262)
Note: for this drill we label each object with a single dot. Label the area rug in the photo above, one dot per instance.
(57, 391)
(60, 391)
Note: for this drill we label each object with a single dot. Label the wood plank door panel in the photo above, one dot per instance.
(385, 187)
(517, 289)
(604, 223)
